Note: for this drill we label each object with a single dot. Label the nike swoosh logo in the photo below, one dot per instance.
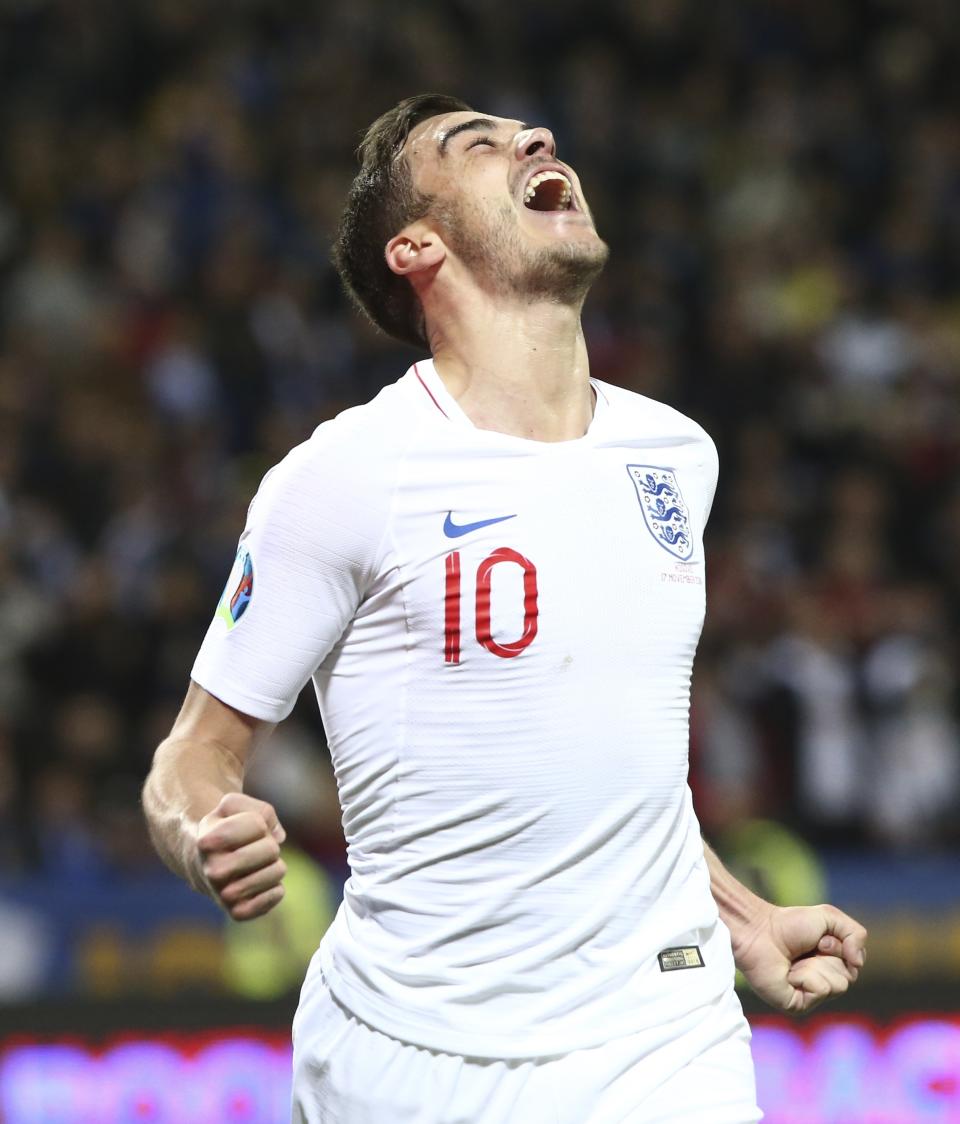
(454, 530)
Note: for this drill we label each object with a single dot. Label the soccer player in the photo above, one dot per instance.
(494, 575)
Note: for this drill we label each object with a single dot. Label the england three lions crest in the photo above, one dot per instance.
(664, 511)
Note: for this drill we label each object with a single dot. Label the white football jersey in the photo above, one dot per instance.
(500, 633)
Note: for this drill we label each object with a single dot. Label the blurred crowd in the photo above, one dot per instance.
(780, 186)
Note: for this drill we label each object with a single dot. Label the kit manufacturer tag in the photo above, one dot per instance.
(673, 959)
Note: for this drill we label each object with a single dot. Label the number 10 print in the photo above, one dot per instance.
(451, 633)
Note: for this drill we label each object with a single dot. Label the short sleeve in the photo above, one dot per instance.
(305, 559)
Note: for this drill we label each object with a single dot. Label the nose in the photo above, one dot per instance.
(532, 141)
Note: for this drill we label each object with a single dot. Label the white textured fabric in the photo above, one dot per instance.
(500, 633)
(345, 1072)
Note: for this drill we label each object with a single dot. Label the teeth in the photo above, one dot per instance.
(540, 178)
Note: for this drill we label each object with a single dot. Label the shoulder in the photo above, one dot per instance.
(331, 499)
(352, 452)
(636, 410)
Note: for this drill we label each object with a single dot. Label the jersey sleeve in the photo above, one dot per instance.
(306, 557)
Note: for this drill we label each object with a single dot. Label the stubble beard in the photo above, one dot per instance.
(504, 264)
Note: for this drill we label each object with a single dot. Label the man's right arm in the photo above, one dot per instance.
(309, 553)
(205, 828)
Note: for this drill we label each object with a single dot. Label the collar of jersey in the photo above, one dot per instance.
(425, 373)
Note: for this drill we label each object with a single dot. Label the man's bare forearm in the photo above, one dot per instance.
(740, 908)
(201, 762)
(188, 779)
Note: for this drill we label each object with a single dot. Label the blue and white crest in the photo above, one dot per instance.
(664, 511)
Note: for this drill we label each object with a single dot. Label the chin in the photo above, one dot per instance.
(565, 271)
(512, 259)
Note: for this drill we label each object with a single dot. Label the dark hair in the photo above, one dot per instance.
(381, 201)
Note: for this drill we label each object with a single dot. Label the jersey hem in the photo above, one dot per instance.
(403, 1026)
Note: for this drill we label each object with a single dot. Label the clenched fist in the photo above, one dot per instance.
(796, 957)
(238, 845)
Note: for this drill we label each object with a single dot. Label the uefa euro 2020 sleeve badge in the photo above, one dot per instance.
(664, 510)
(238, 590)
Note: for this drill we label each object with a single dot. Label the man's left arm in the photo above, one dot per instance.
(793, 957)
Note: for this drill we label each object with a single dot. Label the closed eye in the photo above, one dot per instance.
(480, 140)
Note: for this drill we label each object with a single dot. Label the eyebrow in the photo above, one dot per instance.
(466, 126)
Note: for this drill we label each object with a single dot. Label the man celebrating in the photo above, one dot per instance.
(494, 574)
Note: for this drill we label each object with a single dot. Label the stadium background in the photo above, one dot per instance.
(780, 185)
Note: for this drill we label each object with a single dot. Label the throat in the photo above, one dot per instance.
(529, 418)
(515, 363)
(524, 388)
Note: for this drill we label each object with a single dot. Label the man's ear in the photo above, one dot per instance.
(417, 247)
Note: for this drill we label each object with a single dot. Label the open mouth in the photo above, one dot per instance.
(548, 191)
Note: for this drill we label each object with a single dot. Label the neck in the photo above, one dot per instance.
(516, 369)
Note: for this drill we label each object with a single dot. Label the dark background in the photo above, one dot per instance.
(779, 183)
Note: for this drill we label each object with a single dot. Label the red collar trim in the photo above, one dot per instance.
(430, 392)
